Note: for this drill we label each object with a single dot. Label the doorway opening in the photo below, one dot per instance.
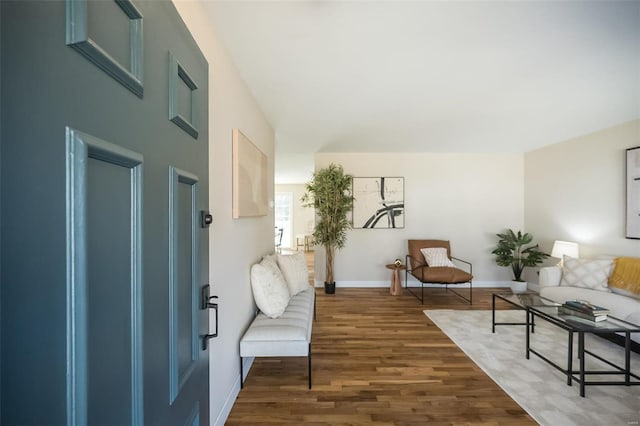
(283, 216)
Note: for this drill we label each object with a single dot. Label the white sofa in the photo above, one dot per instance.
(286, 302)
(621, 306)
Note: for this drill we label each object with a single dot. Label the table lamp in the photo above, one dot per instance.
(564, 248)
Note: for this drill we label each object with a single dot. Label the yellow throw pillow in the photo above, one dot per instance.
(626, 275)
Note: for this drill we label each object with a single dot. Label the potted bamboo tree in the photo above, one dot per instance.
(329, 192)
(511, 252)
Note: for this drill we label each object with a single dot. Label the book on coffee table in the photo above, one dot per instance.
(566, 310)
(586, 307)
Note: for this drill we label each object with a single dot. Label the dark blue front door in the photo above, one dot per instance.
(104, 174)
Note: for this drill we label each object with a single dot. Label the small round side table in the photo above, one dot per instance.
(396, 281)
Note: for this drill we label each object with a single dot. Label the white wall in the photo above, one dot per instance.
(302, 217)
(575, 191)
(234, 244)
(465, 198)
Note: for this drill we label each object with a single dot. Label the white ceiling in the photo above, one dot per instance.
(422, 76)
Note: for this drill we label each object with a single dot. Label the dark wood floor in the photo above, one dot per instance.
(377, 360)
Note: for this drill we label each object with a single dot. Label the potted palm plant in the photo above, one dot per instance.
(329, 192)
(511, 251)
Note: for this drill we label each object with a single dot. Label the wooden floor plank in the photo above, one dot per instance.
(377, 360)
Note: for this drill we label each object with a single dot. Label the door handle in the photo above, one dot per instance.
(205, 299)
(206, 303)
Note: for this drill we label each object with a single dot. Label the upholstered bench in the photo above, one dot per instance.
(286, 301)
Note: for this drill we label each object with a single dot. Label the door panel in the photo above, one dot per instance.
(109, 29)
(104, 291)
(108, 276)
(109, 270)
(184, 279)
(98, 326)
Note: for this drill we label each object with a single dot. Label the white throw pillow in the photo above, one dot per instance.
(270, 291)
(437, 256)
(586, 273)
(295, 272)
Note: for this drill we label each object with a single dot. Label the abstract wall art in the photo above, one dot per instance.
(633, 192)
(379, 202)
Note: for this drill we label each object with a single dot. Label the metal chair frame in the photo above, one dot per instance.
(408, 272)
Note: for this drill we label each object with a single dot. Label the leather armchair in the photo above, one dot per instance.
(418, 268)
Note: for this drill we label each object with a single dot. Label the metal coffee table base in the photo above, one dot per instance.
(505, 298)
(580, 375)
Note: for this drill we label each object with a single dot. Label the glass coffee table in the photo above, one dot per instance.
(573, 325)
(519, 301)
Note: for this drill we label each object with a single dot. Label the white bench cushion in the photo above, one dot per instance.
(287, 335)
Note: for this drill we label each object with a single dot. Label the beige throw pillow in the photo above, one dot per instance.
(295, 272)
(270, 291)
(586, 273)
(437, 256)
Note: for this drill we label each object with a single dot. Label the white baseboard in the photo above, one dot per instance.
(233, 394)
(377, 284)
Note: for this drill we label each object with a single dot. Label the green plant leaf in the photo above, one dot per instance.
(329, 192)
(510, 252)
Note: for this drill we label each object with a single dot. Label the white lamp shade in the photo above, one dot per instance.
(564, 248)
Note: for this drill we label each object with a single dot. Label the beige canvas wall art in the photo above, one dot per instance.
(249, 178)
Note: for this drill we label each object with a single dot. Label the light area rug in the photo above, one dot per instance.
(540, 389)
